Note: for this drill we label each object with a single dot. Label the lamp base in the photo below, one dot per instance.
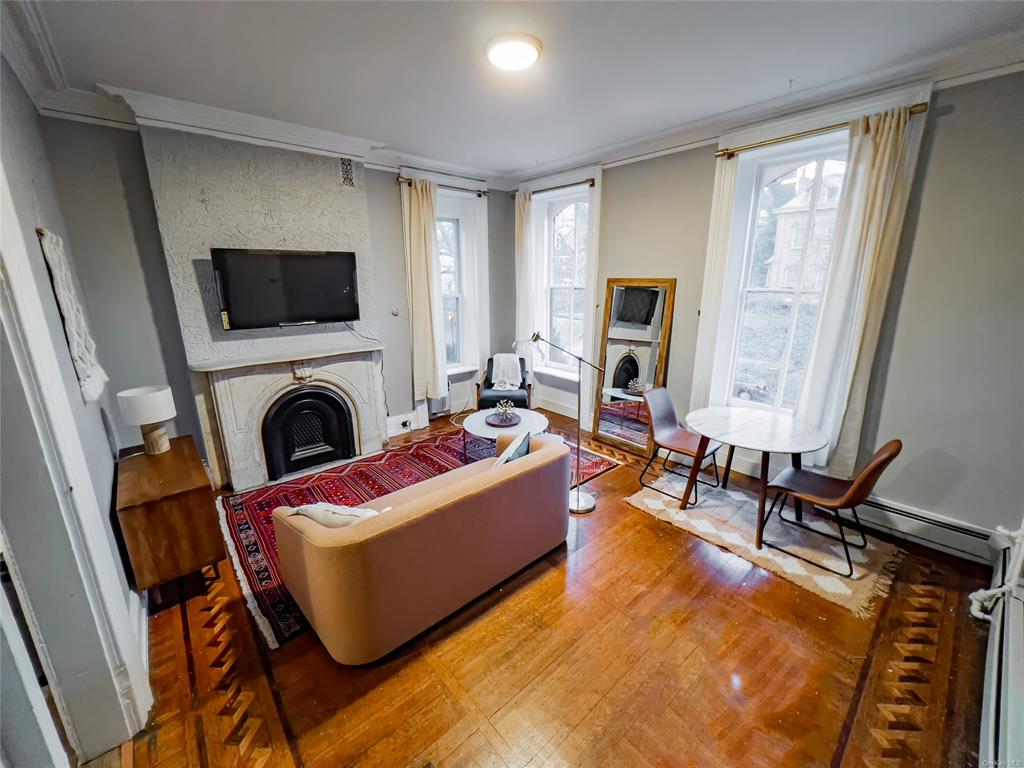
(154, 438)
(581, 502)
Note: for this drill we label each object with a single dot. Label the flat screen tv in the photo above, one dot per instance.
(637, 305)
(270, 289)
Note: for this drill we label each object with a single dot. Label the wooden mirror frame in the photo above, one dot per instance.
(669, 285)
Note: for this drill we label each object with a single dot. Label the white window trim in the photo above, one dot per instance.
(460, 280)
(567, 180)
(744, 220)
(474, 304)
(570, 195)
(718, 314)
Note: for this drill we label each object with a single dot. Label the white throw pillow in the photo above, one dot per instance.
(334, 515)
(519, 447)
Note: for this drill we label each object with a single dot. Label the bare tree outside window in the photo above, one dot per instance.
(449, 257)
(788, 258)
(568, 228)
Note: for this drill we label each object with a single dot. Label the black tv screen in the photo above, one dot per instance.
(267, 289)
(637, 305)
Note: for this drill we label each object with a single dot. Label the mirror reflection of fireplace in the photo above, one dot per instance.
(637, 325)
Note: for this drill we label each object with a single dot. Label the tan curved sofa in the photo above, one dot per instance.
(368, 588)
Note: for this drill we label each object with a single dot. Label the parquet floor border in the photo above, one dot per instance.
(222, 700)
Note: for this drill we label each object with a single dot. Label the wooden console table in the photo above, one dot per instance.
(167, 513)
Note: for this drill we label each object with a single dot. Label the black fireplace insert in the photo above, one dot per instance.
(305, 428)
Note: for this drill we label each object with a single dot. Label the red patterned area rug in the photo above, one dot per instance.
(625, 420)
(246, 519)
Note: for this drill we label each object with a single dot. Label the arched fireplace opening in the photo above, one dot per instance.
(305, 428)
(627, 369)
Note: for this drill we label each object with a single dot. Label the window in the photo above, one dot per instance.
(567, 230)
(460, 247)
(785, 266)
(449, 256)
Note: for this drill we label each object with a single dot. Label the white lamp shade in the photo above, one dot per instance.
(146, 405)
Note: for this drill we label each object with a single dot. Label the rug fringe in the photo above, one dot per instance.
(883, 584)
(243, 584)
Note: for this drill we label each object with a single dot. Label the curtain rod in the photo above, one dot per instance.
(591, 182)
(731, 152)
(477, 192)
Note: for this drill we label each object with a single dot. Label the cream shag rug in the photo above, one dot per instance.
(728, 518)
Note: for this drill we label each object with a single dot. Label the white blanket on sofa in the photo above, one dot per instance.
(334, 515)
(505, 372)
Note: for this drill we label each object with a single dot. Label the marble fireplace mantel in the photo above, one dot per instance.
(243, 390)
(280, 357)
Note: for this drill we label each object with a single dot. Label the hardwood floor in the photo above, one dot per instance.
(635, 644)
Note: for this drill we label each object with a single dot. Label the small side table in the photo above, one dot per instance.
(167, 513)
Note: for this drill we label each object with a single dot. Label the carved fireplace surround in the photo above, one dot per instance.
(242, 393)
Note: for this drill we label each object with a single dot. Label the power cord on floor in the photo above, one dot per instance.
(465, 407)
(383, 378)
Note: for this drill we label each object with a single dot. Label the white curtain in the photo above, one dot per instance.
(423, 289)
(529, 278)
(880, 168)
(714, 281)
(91, 377)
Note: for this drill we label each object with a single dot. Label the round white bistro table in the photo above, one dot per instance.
(756, 430)
(529, 421)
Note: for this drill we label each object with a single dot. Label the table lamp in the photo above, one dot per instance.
(148, 408)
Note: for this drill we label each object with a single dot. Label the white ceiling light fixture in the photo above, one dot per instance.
(513, 53)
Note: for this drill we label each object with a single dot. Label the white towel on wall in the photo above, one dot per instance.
(506, 373)
(91, 376)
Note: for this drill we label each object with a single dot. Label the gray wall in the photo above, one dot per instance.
(654, 223)
(33, 522)
(501, 242)
(949, 377)
(215, 193)
(21, 739)
(101, 180)
(384, 200)
(36, 205)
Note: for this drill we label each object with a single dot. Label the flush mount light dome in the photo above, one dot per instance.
(513, 52)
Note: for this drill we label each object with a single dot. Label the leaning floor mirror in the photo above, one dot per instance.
(634, 352)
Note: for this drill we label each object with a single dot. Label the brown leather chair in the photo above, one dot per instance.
(832, 494)
(668, 434)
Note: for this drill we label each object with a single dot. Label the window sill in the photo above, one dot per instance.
(461, 369)
(557, 373)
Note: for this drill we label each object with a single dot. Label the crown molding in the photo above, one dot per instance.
(27, 46)
(163, 112)
(29, 49)
(992, 57)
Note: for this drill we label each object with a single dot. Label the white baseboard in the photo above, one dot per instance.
(556, 407)
(407, 422)
(902, 520)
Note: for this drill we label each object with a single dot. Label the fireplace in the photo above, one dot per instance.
(627, 369)
(307, 427)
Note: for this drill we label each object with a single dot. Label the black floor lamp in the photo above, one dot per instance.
(579, 500)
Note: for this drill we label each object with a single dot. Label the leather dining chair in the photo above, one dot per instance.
(669, 435)
(831, 494)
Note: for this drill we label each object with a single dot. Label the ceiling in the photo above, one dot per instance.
(414, 76)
